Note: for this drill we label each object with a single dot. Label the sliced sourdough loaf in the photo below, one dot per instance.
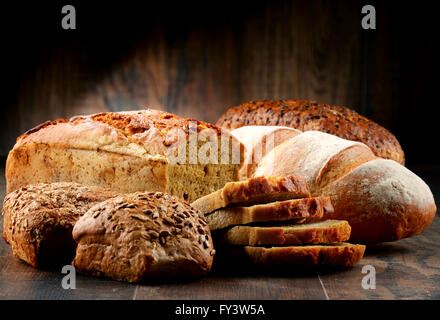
(145, 150)
(256, 190)
(314, 208)
(337, 254)
(328, 231)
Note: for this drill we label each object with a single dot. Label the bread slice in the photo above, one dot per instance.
(276, 211)
(255, 190)
(337, 254)
(328, 231)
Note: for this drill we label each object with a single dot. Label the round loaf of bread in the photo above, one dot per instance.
(138, 236)
(38, 220)
(308, 115)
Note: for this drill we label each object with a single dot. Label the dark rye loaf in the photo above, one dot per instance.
(308, 115)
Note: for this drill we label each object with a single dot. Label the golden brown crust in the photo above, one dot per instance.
(328, 231)
(255, 190)
(112, 149)
(382, 201)
(307, 115)
(142, 235)
(38, 220)
(305, 208)
(340, 254)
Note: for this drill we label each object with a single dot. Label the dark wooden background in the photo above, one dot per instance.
(197, 59)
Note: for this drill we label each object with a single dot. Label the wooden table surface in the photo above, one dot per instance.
(405, 269)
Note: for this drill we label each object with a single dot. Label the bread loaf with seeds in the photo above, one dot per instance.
(138, 236)
(312, 116)
(38, 220)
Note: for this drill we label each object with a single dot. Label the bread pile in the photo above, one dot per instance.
(312, 116)
(112, 191)
(130, 237)
(272, 221)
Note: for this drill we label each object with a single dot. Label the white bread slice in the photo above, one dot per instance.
(254, 191)
(328, 231)
(314, 208)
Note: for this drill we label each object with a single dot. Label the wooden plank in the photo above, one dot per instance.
(405, 269)
(239, 287)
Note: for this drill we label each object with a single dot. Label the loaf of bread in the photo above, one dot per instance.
(258, 141)
(328, 231)
(138, 236)
(304, 115)
(297, 209)
(38, 220)
(381, 199)
(337, 254)
(255, 190)
(145, 150)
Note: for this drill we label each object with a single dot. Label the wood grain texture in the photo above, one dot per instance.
(197, 60)
(406, 269)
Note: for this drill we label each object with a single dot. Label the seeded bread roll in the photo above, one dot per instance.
(138, 236)
(133, 151)
(38, 220)
(308, 115)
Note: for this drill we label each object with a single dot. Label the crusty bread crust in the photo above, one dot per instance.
(315, 155)
(38, 220)
(328, 231)
(138, 236)
(128, 152)
(305, 208)
(383, 201)
(258, 140)
(255, 190)
(308, 115)
(339, 254)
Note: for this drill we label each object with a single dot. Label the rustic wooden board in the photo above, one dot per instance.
(406, 269)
